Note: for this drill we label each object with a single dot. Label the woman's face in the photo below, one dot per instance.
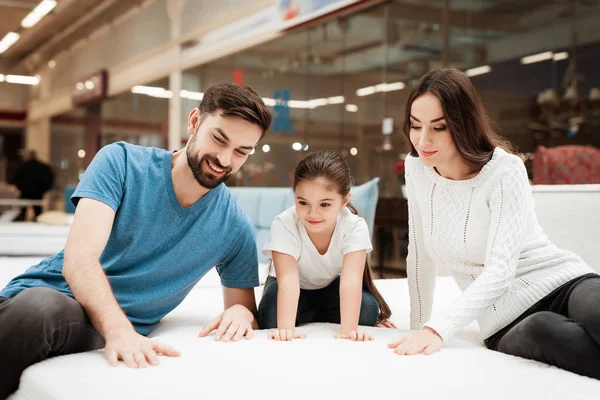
(429, 133)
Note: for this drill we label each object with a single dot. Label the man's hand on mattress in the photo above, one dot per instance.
(355, 336)
(426, 341)
(386, 323)
(285, 335)
(135, 350)
(233, 324)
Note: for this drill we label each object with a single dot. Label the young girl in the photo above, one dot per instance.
(309, 245)
(471, 211)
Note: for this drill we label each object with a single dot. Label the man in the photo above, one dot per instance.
(33, 178)
(148, 225)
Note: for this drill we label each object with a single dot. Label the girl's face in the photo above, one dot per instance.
(318, 204)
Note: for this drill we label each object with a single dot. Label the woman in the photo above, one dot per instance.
(472, 212)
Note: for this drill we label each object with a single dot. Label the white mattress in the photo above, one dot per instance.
(31, 239)
(13, 266)
(317, 367)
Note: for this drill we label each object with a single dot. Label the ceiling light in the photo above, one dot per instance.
(381, 87)
(560, 56)
(335, 100)
(38, 13)
(298, 104)
(388, 87)
(484, 69)
(8, 40)
(152, 91)
(22, 79)
(269, 102)
(314, 103)
(537, 57)
(366, 91)
(186, 94)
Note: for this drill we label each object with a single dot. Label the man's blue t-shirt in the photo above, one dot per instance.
(157, 250)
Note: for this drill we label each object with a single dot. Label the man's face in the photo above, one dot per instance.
(219, 146)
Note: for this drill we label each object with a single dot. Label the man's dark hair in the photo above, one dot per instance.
(236, 101)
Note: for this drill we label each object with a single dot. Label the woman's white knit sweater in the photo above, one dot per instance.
(484, 231)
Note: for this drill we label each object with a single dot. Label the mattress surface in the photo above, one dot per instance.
(316, 367)
(31, 239)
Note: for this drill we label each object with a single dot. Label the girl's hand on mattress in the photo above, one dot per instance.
(135, 350)
(386, 323)
(285, 335)
(355, 336)
(232, 325)
(425, 342)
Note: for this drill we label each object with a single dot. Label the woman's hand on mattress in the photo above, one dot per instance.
(386, 323)
(355, 336)
(285, 335)
(233, 324)
(135, 350)
(426, 341)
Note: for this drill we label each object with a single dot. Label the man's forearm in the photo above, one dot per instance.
(92, 290)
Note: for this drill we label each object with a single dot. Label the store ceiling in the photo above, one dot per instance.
(415, 37)
(70, 21)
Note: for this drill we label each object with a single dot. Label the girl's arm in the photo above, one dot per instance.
(288, 280)
(351, 286)
(283, 248)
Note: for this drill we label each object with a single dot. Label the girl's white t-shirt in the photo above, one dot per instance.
(288, 235)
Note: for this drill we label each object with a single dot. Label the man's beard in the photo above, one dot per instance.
(206, 179)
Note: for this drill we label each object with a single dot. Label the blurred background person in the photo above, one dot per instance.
(33, 178)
